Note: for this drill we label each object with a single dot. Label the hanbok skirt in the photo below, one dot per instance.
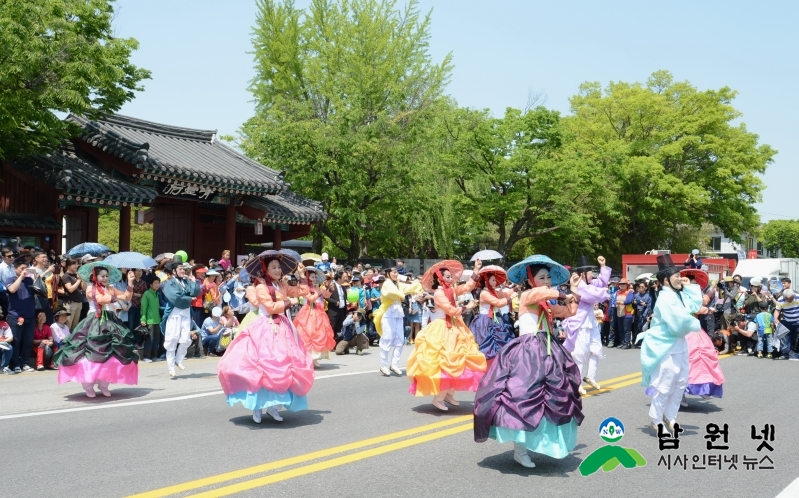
(313, 327)
(704, 374)
(492, 334)
(530, 396)
(267, 365)
(99, 349)
(445, 358)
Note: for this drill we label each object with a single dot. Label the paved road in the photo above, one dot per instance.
(364, 435)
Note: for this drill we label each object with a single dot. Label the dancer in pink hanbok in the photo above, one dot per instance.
(267, 365)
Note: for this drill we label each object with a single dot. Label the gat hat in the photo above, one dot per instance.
(666, 267)
(217, 311)
(583, 265)
(701, 277)
(518, 272)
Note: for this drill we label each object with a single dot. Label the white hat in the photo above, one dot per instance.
(324, 256)
(86, 258)
(217, 311)
(755, 282)
(212, 273)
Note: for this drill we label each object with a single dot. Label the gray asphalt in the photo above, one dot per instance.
(141, 447)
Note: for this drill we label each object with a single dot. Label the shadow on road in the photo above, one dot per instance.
(194, 375)
(700, 406)
(326, 367)
(297, 419)
(117, 394)
(465, 408)
(544, 465)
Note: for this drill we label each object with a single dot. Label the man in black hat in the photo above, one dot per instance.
(664, 351)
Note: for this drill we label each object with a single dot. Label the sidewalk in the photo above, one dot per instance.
(40, 391)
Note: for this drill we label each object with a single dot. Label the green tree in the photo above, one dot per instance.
(672, 155)
(59, 55)
(141, 236)
(515, 181)
(346, 95)
(782, 235)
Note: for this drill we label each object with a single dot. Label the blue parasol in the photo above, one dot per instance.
(287, 258)
(518, 272)
(93, 248)
(131, 260)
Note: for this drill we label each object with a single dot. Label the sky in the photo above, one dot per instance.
(503, 52)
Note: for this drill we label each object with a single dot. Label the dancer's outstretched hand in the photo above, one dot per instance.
(477, 265)
(601, 260)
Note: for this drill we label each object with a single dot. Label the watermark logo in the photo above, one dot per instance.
(610, 456)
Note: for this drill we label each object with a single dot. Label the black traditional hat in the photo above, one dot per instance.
(583, 265)
(666, 267)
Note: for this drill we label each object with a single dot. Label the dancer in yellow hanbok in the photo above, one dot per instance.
(446, 357)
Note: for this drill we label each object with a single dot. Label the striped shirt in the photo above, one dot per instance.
(789, 312)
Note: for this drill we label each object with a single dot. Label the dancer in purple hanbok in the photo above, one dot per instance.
(583, 339)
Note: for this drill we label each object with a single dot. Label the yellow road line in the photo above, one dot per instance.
(237, 474)
(335, 462)
(608, 385)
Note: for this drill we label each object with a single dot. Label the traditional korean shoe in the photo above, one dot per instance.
(396, 371)
(104, 389)
(172, 373)
(592, 383)
(440, 405)
(90, 390)
(684, 402)
(181, 367)
(384, 371)
(316, 363)
(256, 416)
(669, 424)
(272, 412)
(581, 391)
(522, 457)
(451, 400)
(654, 427)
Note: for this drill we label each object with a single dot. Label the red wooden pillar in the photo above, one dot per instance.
(277, 238)
(124, 229)
(230, 228)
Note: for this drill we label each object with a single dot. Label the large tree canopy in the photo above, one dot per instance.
(514, 181)
(59, 55)
(346, 93)
(782, 235)
(673, 155)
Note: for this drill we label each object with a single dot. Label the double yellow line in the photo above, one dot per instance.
(396, 441)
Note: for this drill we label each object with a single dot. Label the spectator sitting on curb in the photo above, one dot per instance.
(59, 328)
(43, 342)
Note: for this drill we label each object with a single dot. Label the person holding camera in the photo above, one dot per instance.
(353, 333)
(21, 313)
(694, 262)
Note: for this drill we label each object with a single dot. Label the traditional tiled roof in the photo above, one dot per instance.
(288, 208)
(75, 174)
(165, 152)
(24, 220)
